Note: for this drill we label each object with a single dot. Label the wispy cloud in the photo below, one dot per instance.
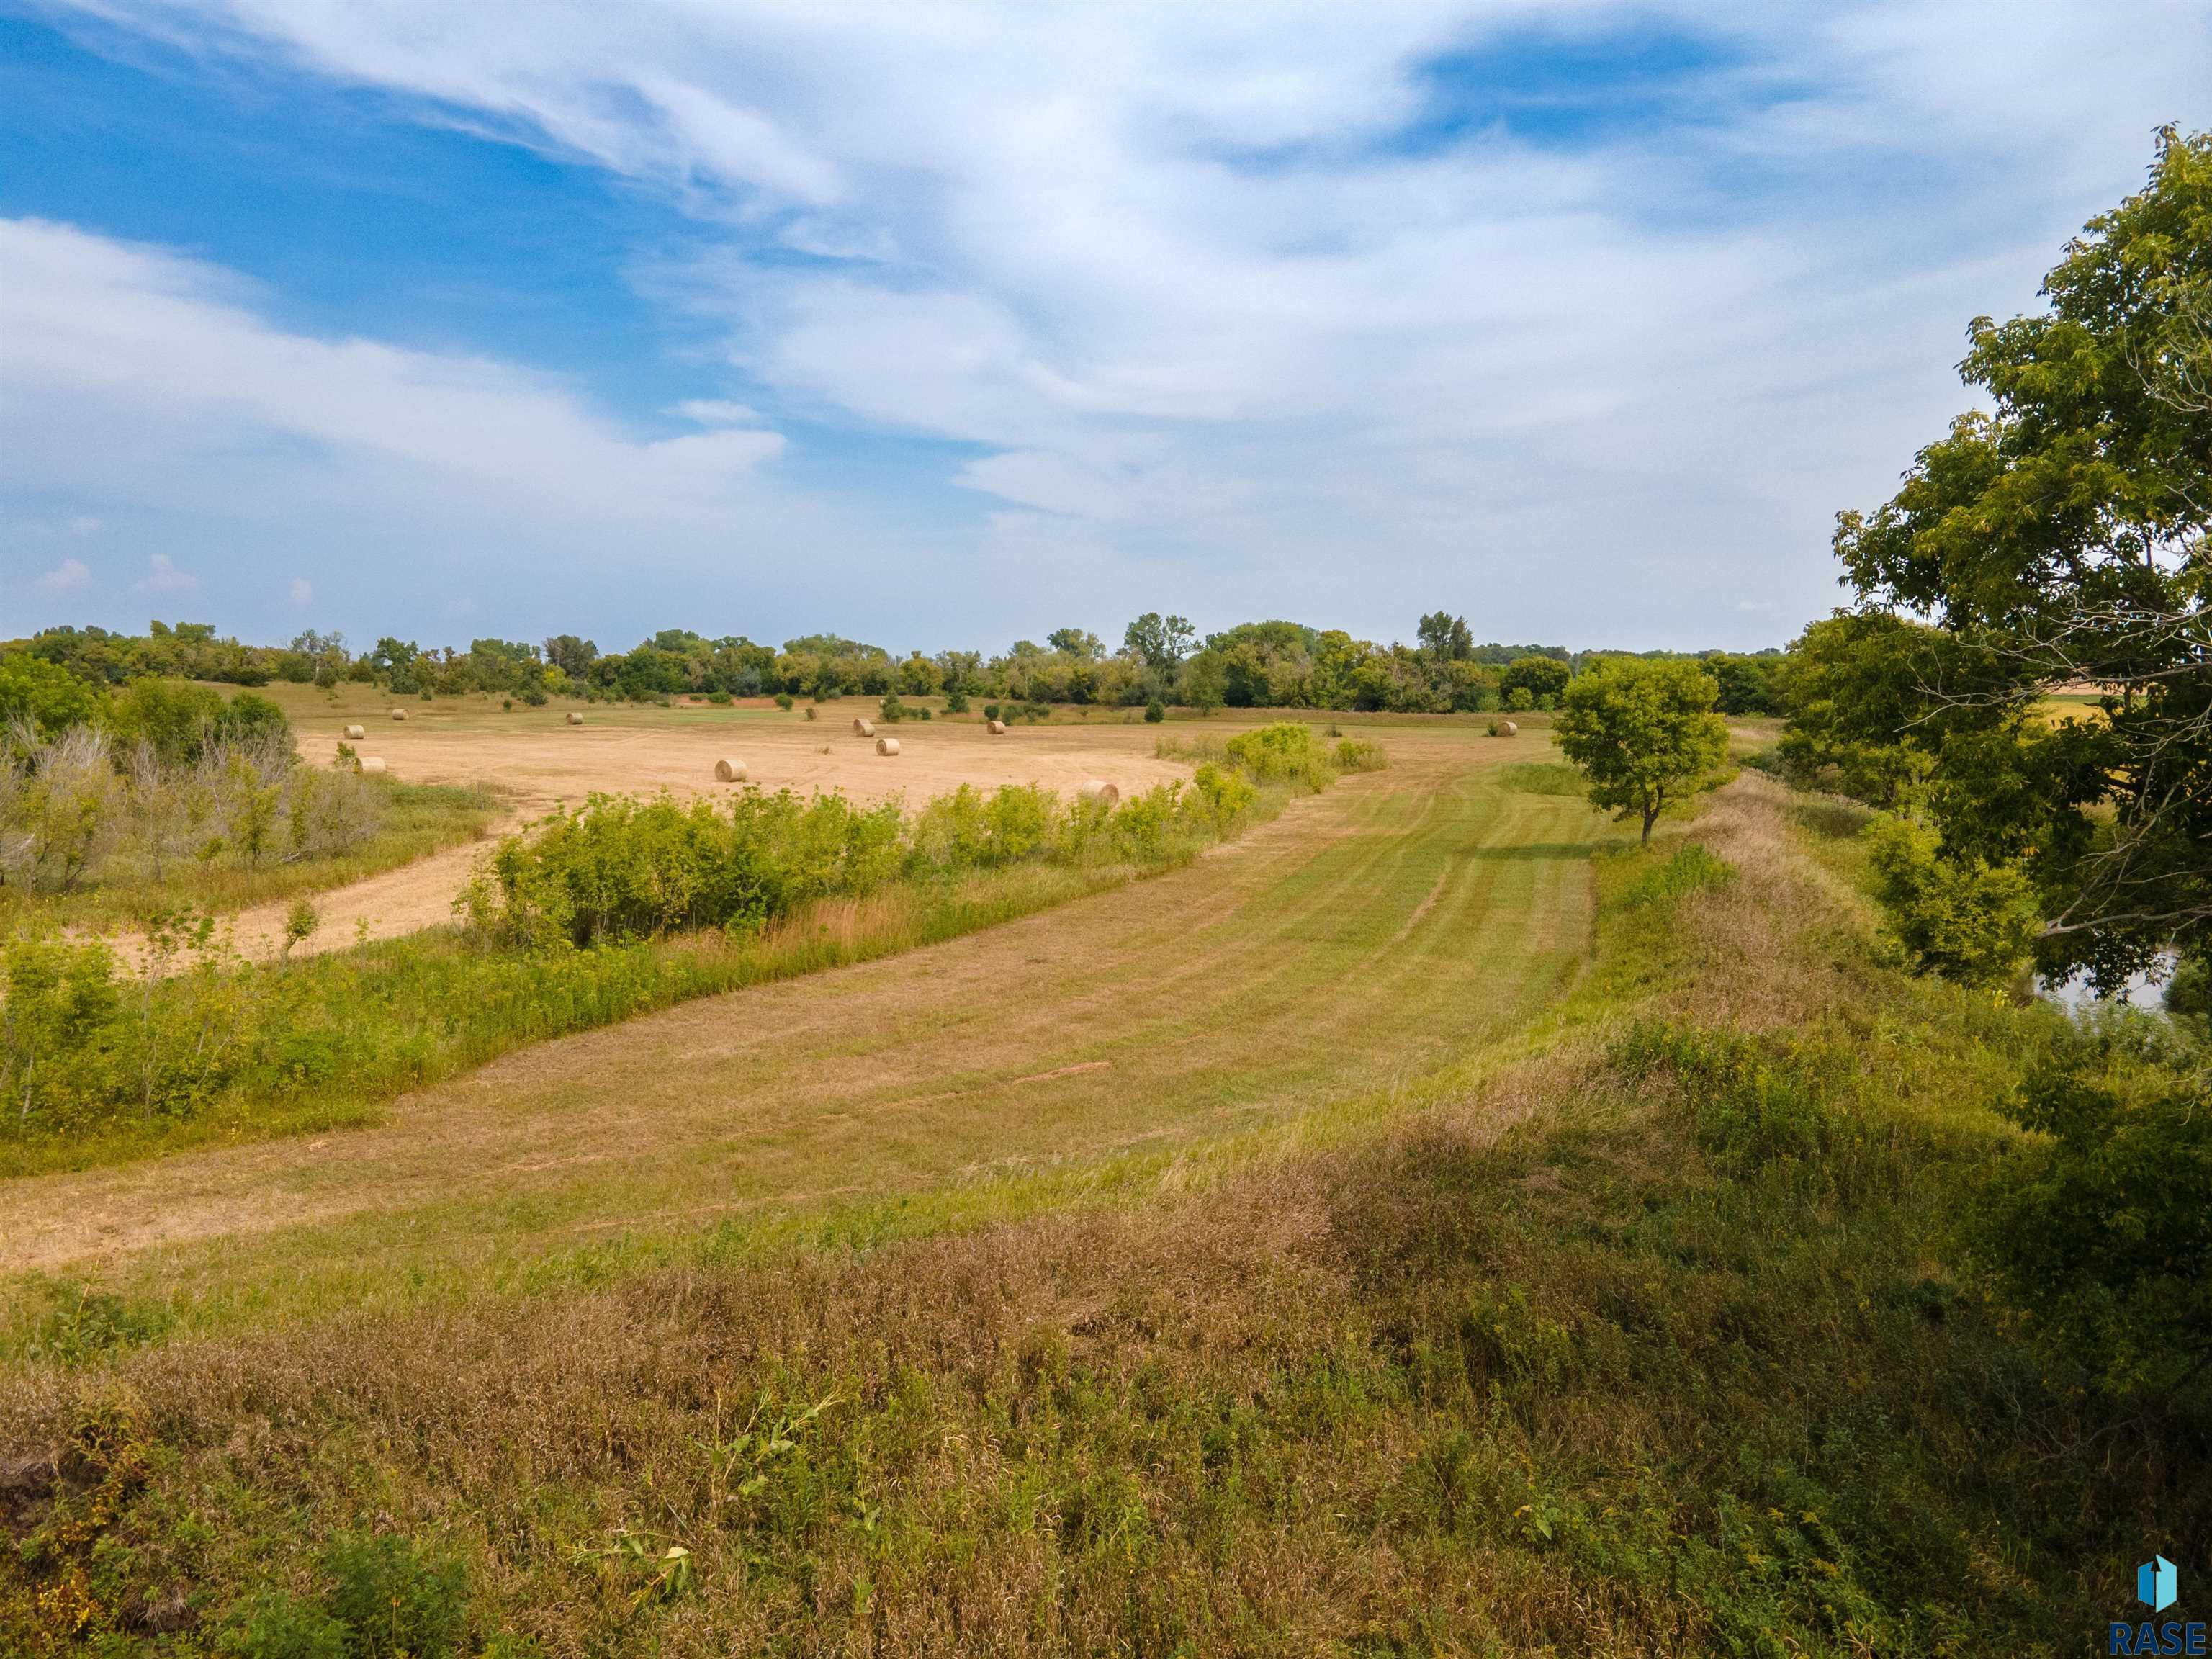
(162, 576)
(70, 576)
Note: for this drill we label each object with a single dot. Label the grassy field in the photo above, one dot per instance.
(1373, 932)
(1427, 1226)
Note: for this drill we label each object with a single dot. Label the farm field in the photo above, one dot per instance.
(534, 758)
(531, 759)
(1372, 933)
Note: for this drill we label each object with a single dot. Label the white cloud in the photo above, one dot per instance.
(84, 525)
(303, 593)
(713, 411)
(68, 577)
(1224, 345)
(141, 377)
(162, 576)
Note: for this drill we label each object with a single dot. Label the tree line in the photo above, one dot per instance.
(1161, 658)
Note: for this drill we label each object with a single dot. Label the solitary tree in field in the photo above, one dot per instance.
(1644, 733)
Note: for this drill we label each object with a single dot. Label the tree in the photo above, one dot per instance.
(1644, 733)
(962, 671)
(1850, 686)
(391, 655)
(1076, 643)
(2063, 540)
(1445, 638)
(1749, 686)
(43, 699)
(572, 656)
(1204, 682)
(1541, 678)
(1160, 643)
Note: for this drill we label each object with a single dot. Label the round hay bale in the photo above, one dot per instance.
(356, 733)
(864, 728)
(1099, 790)
(887, 745)
(575, 719)
(1508, 729)
(399, 714)
(372, 766)
(997, 728)
(730, 771)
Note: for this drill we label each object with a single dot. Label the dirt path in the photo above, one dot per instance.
(1367, 935)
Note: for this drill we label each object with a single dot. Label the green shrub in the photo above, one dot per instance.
(1155, 711)
(2100, 1229)
(395, 1599)
(891, 711)
(719, 699)
(619, 868)
(956, 702)
(275, 1625)
(1285, 750)
(1224, 794)
(1359, 755)
(42, 696)
(783, 701)
(1961, 919)
(990, 711)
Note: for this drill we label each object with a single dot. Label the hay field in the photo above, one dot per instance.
(1397, 922)
(535, 758)
(532, 758)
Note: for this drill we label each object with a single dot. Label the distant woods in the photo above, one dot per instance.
(1160, 658)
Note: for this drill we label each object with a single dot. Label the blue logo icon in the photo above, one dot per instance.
(2157, 1584)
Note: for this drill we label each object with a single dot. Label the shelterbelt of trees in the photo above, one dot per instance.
(1254, 665)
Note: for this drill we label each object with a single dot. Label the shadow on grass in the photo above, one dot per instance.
(1540, 852)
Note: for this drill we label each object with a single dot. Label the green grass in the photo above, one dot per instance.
(1544, 778)
(1639, 1330)
(418, 819)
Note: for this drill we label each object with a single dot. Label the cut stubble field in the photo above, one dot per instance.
(1371, 934)
(534, 760)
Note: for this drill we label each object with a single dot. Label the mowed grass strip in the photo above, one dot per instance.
(1369, 934)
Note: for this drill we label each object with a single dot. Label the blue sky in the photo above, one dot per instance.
(946, 326)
